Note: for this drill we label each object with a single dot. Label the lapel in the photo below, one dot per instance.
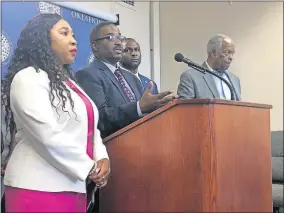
(144, 81)
(210, 82)
(233, 83)
(134, 83)
(101, 66)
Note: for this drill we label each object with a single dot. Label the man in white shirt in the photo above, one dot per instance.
(194, 84)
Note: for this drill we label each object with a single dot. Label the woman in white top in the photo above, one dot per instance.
(58, 146)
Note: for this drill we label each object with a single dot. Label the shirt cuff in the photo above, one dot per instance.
(139, 110)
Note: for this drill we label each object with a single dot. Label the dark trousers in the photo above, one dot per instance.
(95, 208)
(3, 204)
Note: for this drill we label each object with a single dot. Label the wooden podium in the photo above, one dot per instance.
(192, 156)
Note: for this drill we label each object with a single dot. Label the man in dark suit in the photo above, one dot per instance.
(118, 94)
(193, 84)
(130, 61)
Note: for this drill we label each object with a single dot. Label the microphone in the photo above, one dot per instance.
(180, 58)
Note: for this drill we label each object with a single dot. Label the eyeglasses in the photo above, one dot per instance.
(112, 38)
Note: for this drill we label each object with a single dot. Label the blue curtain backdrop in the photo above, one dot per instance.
(15, 15)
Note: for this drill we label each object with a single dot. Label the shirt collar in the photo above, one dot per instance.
(111, 67)
(210, 68)
(121, 67)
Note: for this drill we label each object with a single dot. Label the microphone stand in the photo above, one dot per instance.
(204, 70)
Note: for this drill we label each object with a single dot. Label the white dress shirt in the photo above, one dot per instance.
(222, 87)
(112, 69)
(50, 154)
(137, 75)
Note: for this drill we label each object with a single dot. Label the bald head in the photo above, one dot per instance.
(129, 40)
(220, 50)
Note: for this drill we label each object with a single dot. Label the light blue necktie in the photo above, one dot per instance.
(223, 91)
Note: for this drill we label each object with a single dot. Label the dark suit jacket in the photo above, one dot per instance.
(101, 85)
(2, 144)
(145, 82)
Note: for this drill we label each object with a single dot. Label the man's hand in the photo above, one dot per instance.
(150, 102)
(101, 176)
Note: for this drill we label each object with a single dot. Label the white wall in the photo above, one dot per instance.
(256, 27)
(155, 31)
(134, 23)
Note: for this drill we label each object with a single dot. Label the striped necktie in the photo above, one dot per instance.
(126, 88)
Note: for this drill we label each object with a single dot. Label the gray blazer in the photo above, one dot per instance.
(101, 85)
(194, 84)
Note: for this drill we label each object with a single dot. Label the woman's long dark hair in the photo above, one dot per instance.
(34, 49)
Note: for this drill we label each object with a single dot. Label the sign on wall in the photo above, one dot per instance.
(15, 15)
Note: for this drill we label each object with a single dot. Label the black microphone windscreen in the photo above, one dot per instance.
(179, 57)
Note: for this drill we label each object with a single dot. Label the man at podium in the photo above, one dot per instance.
(117, 93)
(194, 84)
